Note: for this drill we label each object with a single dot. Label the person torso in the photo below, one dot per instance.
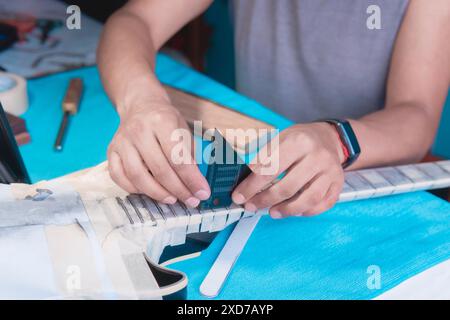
(313, 59)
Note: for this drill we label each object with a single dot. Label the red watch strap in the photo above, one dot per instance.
(343, 146)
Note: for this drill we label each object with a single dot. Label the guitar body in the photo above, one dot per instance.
(87, 229)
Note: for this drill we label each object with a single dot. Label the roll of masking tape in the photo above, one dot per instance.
(13, 93)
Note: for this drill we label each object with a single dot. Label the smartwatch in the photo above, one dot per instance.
(348, 139)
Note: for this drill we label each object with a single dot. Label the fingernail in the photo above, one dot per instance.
(275, 215)
(238, 198)
(192, 202)
(202, 194)
(170, 200)
(250, 207)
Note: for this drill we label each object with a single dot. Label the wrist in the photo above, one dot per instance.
(143, 104)
(341, 149)
(348, 140)
(140, 95)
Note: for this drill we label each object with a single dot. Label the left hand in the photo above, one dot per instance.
(311, 156)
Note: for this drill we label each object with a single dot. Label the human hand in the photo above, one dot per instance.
(311, 156)
(140, 154)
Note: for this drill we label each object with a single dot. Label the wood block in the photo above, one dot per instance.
(19, 129)
(214, 116)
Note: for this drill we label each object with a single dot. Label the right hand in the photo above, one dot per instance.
(139, 156)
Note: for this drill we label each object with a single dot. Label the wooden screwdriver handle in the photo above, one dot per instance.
(73, 94)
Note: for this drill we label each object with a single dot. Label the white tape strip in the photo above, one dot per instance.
(217, 275)
(13, 93)
(107, 286)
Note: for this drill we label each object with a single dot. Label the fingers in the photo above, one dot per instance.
(327, 202)
(187, 170)
(258, 180)
(162, 171)
(143, 146)
(117, 173)
(295, 179)
(135, 172)
(319, 195)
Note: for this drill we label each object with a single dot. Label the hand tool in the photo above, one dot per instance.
(70, 107)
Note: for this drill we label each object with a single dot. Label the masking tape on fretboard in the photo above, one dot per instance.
(13, 93)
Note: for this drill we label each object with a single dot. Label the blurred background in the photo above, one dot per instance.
(34, 43)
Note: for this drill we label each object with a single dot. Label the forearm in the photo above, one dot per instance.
(400, 134)
(128, 46)
(126, 60)
(417, 86)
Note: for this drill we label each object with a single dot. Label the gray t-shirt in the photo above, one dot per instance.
(312, 59)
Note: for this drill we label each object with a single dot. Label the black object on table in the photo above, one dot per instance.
(12, 168)
(8, 36)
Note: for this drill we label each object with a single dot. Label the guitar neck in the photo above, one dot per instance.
(140, 210)
(371, 183)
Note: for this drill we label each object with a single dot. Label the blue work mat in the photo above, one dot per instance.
(331, 256)
(298, 258)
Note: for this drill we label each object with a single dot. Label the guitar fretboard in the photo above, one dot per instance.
(370, 183)
(362, 184)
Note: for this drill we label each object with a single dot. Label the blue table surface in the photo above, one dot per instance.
(323, 257)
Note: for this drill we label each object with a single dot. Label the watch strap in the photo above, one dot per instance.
(348, 139)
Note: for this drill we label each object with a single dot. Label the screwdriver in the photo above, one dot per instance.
(70, 107)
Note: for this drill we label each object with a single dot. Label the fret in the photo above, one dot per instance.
(176, 221)
(138, 207)
(183, 222)
(420, 180)
(207, 220)
(182, 215)
(347, 194)
(179, 226)
(396, 178)
(444, 165)
(195, 219)
(147, 213)
(440, 177)
(220, 219)
(132, 212)
(382, 186)
(363, 189)
(167, 213)
(124, 208)
(234, 213)
(129, 211)
(148, 216)
(153, 210)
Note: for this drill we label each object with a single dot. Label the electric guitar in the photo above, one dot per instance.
(123, 244)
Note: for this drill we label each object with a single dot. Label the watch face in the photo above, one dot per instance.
(353, 141)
